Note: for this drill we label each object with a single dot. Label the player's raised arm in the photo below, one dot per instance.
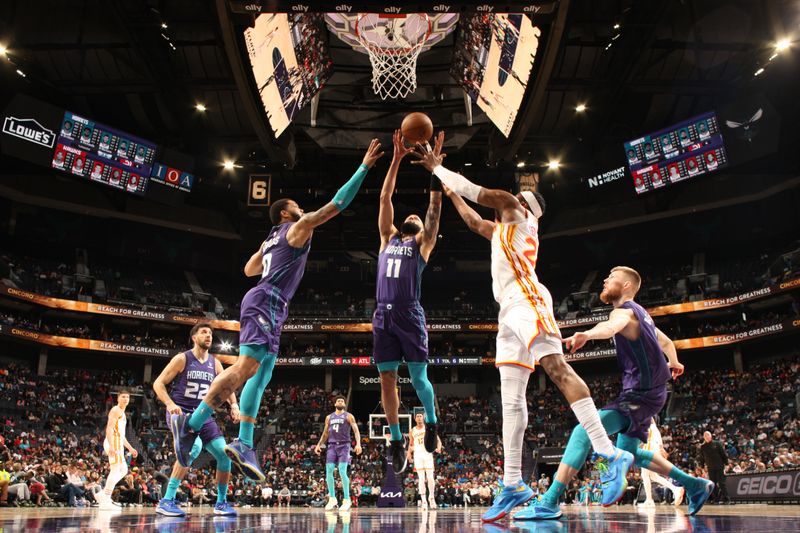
(324, 438)
(431, 232)
(617, 320)
(473, 220)
(300, 232)
(386, 225)
(504, 202)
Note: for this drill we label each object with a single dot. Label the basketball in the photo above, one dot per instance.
(417, 128)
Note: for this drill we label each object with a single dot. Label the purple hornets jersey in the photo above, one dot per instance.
(400, 267)
(642, 361)
(193, 382)
(284, 265)
(338, 428)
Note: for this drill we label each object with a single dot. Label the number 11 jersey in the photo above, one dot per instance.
(400, 267)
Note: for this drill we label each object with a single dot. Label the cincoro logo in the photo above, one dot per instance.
(315, 361)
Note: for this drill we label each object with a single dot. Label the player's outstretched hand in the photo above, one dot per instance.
(317, 449)
(576, 342)
(676, 368)
(438, 144)
(427, 157)
(358, 449)
(373, 153)
(400, 148)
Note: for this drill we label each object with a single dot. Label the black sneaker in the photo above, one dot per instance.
(397, 452)
(430, 437)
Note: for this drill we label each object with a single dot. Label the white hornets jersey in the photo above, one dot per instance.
(515, 249)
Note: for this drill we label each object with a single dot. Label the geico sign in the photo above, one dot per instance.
(364, 380)
(768, 485)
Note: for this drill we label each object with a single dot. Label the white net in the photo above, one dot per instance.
(394, 44)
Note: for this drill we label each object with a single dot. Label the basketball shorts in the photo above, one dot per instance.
(263, 312)
(521, 339)
(399, 332)
(338, 452)
(119, 458)
(423, 461)
(639, 406)
(208, 431)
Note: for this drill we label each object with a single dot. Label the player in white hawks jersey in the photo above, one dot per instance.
(656, 445)
(527, 331)
(114, 446)
(423, 461)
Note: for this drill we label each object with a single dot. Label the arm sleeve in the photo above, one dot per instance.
(458, 183)
(348, 191)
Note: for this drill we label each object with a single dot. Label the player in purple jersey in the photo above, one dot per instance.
(190, 374)
(337, 435)
(398, 325)
(280, 263)
(641, 349)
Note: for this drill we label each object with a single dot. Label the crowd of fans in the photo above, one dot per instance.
(52, 436)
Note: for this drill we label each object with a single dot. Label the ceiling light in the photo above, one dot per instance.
(782, 45)
(467, 164)
(553, 164)
(3, 49)
(21, 73)
(759, 71)
(616, 26)
(521, 164)
(225, 346)
(164, 25)
(228, 165)
(200, 107)
(580, 108)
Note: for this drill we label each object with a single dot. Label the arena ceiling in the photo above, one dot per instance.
(636, 66)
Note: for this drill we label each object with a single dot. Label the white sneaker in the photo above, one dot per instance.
(649, 504)
(107, 504)
(346, 505)
(332, 503)
(678, 496)
(431, 503)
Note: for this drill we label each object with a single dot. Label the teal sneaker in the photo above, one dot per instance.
(614, 475)
(508, 498)
(699, 496)
(538, 511)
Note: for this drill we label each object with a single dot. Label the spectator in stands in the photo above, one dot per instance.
(285, 495)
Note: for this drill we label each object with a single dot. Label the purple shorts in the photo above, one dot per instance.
(338, 452)
(263, 312)
(208, 432)
(640, 406)
(399, 332)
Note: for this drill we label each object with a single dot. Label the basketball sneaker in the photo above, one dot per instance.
(245, 458)
(183, 438)
(431, 432)
(538, 511)
(346, 505)
(508, 498)
(614, 475)
(224, 509)
(699, 495)
(397, 450)
(169, 508)
(678, 495)
(332, 503)
(432, 503)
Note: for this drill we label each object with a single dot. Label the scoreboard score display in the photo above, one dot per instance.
(102, 154)
(691, 148)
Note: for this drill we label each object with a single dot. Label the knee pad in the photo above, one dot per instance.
(217, 448)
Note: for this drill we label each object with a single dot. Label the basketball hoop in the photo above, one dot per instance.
(393, 42)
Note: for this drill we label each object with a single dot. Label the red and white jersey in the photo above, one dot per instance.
(515, 249)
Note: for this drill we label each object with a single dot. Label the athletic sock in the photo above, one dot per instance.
(246, 433)
(513, 384)
(553, 494)
(345, 480)
(395, 429)
(172, 488)
(587, 416)
(222, 492)
(200, 415)
(690, 482)
(421, 383)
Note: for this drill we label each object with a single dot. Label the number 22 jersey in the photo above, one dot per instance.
(192, 384)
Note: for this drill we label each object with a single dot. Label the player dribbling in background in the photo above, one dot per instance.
(423, 462)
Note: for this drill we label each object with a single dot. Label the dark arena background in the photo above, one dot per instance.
(144, 143)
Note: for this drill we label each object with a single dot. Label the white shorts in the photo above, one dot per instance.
(117, 459)
(423, 461)
(521, 338)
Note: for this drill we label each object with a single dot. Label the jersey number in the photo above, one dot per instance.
(196, 391)
(396, 263)
(266, 264)
(336, 427)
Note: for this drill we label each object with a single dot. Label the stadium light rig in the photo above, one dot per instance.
(783, 44)
(3, 49)
(200, 107)
(225, 346)
(521, 164)
(553, 164)
(580, 108)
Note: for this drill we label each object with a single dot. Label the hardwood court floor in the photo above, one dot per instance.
(664, 519)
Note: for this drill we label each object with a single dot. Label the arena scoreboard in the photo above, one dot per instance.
(686, 150)
(102, 154)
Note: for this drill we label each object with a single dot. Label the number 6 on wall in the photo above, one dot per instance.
(260, 190)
